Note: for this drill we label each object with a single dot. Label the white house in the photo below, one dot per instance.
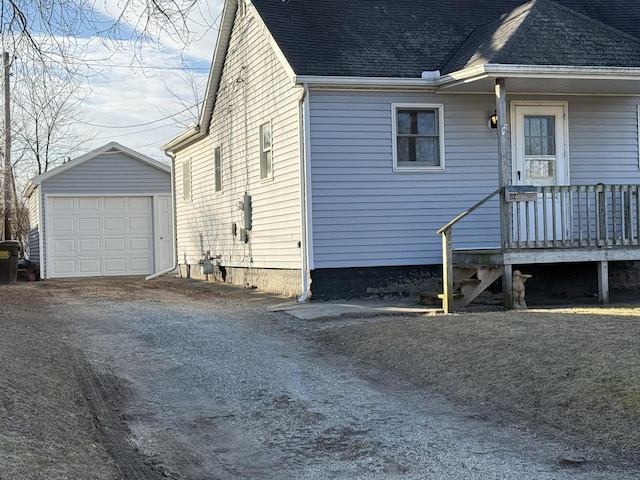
(336, 138)
(108, 212)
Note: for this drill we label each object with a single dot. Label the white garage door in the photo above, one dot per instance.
(99, 236)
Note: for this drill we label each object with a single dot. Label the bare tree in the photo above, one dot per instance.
(50, 38)
(46, 103)
(49, 29)
(186, 90)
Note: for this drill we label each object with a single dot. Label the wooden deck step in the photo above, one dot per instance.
(434, 298)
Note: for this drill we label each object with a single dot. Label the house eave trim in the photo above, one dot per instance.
(185, 139)
(364, 82)
(481, 72)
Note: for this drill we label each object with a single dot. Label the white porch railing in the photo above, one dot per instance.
(574, 217)
(577, 216)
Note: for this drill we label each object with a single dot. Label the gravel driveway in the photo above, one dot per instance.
(192, 383)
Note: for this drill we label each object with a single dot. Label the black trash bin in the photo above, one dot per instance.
(9, 250)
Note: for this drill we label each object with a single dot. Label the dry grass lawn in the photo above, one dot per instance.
(571, 373)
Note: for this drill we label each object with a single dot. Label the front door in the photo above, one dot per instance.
(164, 234)
(540, 159)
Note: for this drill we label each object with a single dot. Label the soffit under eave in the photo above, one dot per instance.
(547, 85)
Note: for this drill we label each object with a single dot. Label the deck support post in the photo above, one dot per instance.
(507, 286)
(603, 282)
(447, 271)
(504, 178)
(504, 160)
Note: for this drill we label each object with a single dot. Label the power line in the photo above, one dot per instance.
(132, 133)
(139, 124)
(144, 67)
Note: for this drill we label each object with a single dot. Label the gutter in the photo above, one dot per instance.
(496, 70)
(191, 135)
(427, 80)
(172, 156)
(304, 197)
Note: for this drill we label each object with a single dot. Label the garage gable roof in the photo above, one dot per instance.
(108, 148)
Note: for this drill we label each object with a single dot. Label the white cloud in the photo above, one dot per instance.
(125, 94)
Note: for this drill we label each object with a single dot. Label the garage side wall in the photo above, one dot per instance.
(33, 253)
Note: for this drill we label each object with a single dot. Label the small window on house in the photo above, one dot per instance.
(186, 180)
(242, 8)
(217, 170)
(418, 139)
(266, 147)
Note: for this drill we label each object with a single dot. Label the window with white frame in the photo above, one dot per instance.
(217, 169)
(186, 180)
(266, 151)
(417, 137)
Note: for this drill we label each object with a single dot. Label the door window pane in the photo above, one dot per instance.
(539, 135)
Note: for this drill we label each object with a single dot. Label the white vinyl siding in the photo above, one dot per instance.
(34, 227)
(254, 87)
(217, 170)
(186, 180)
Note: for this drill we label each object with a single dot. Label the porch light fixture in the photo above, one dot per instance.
(493, 120)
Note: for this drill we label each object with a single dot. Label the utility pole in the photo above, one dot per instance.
(8, 174)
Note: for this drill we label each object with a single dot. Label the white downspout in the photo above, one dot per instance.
(172, 156)
(304, 198)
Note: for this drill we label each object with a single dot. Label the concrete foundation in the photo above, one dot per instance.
(275, 281)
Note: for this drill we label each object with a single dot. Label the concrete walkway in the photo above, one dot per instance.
(315, 310)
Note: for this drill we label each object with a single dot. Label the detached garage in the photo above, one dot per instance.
(108, 212)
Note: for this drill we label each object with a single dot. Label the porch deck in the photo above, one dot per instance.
(552, 224)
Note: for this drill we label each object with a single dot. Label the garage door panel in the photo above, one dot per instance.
(115, 266)
(63, 246)
(62, 225)
(61, 204)
(88, 267)
(138, 204)
(115, 244)
(137, 244)
(114, 224)
(88, 225)
(94, 236)
(65, 267)
(139, 224)
(88, 245)
(117, 204)
(140, 265)
(88, 204)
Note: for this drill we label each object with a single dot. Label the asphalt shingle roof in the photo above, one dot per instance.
(394, 38)
(544, 33)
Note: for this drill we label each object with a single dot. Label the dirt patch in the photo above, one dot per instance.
(45, 426)
(573, 374)
(59, 418)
